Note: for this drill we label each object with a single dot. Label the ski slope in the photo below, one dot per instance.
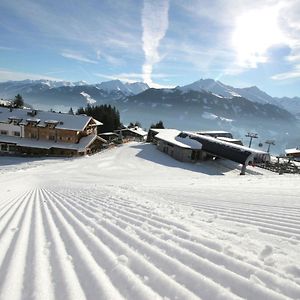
(132, 223)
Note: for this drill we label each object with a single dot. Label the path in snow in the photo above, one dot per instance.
(163, 234)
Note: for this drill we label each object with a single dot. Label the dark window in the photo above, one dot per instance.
(4, 147)
(17, 133)
(12, 148)
(3, 132)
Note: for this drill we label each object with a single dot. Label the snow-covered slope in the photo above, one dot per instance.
(125, 88)
(210, 85)
(31, 87)
(132, 223)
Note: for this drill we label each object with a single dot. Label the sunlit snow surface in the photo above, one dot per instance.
(132, 223)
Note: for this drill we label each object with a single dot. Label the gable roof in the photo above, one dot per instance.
(64, 121)
(137, 130)
(172, 136)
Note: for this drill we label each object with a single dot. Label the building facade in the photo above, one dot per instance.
(33, 132)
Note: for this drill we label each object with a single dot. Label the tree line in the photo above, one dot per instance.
(106, 114)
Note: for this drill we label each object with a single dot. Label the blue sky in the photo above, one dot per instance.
(162, 42)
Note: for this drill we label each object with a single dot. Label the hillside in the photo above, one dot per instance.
(132, 223)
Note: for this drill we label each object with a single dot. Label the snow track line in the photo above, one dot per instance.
(195, 282)
(15, 260)
(251, 292)
(145, 217)
(287, 287)
(248, 213)
(154, 216)
(9, 226)
(7, 202)
(43, 288)
(67, 285)
(153, 276)
(9, 214)
(239, 267)
(130, 285)
(282, 229)
(253, 216)
(97, 282)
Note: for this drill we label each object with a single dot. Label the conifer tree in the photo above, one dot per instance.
(18, 101)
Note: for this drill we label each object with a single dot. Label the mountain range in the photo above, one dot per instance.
(204, 104)
(59, 91)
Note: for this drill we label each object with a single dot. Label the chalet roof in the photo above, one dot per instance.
(137, 130)
(171, 136)
(45, 144)
(64, 121)
(212, 132)
(292, 151)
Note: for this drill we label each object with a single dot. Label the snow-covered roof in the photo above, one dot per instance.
(137, 130)
(225, 143)
(45, 144)
(171, 136)
(226, 139)
(213, 132)
(64, 121)
(292, 151)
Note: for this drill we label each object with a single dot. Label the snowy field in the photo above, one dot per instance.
(132, 223)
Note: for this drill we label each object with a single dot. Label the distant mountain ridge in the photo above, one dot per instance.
(41, 92)
(252, 93)
(204, 104)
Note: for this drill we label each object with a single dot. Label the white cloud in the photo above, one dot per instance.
(6, 75)
(86, 23)
(122, 77)
(292, 74)
(78, 57)
(249, 30)
(132, 77)
(155, 24)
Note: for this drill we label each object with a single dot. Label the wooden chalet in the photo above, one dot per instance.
(132, 134)
(35, 132)
(109, 136)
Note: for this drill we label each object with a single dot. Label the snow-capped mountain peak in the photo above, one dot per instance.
(212, 86)
(125, 88)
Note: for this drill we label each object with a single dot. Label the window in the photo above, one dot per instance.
(3, 132)
(4, 147)
(17, 133)
(51, 137)
(12, 148)
(33, 135)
